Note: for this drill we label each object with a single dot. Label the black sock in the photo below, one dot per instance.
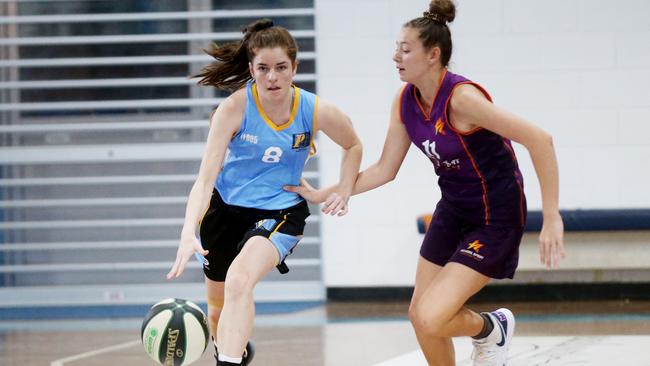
(224, 363)
(487, 327)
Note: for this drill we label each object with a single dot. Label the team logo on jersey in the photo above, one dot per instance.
(301, 140)
(440, 127)
(454, 164)
(473, 250)
(248, 138)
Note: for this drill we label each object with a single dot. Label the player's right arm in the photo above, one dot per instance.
(383, 171)
(396, 146)
(224, 124)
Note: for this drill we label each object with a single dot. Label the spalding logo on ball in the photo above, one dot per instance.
(175, 332)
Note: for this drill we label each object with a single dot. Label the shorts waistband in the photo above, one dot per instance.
(255, 211)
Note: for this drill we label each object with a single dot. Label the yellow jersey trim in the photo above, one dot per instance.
(312, 149)
(265, 117)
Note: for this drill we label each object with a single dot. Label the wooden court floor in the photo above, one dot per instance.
(353, 334)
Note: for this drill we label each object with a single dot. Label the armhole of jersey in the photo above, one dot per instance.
(312, 144)
(242, 125)
(451, 94)
(401, 102)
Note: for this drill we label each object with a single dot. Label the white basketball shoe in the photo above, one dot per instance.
(493, 349)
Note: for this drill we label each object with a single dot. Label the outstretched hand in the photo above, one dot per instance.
(186, 249)
(551, 242)
(334, 203)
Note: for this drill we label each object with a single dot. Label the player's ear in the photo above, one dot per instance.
(434, 55)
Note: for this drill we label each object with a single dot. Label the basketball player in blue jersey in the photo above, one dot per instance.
(477, 226)
(259, 141)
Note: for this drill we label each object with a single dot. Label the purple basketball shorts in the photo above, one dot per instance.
(492, 250)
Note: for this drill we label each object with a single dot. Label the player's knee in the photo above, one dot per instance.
(238, 285)
(426, 321)
(214, 312)
(412, 313)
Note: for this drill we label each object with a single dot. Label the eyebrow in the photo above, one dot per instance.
(278, 64)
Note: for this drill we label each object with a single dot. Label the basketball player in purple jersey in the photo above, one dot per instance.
(477, 226)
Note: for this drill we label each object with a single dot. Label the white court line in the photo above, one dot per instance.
(62, 361)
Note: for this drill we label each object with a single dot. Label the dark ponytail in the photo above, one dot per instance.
(230, 69)
(432, 27)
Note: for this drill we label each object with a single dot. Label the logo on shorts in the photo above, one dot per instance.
(201, 259)
(475, 245)
(473, 249)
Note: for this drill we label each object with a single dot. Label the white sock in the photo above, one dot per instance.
(236, 360)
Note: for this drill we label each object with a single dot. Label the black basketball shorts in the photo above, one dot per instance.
(225, 228)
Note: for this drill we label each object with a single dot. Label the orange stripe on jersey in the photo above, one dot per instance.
(485, 198)
(451, 94)
(521, 189)
(427, 116)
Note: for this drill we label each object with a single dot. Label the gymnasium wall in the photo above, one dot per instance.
(577, 68)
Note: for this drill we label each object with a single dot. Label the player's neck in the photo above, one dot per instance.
(428, 86)
(278, 109)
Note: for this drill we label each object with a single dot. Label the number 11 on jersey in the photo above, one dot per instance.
(430, 149)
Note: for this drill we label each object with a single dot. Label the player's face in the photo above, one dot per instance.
(411, 59)
(273, 71)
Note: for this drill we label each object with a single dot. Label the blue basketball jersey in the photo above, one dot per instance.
(263, 157)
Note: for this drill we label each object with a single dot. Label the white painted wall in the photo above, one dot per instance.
(580, 69)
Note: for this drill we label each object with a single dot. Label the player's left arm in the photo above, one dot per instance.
(470, 108)
(338, 127)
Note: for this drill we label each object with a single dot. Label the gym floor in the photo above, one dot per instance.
(354, 334)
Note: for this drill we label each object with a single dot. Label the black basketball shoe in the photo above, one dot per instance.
(249, 353)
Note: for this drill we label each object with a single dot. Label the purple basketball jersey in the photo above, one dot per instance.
(478, 173)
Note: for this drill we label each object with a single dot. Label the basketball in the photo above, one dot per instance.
(175, 332)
